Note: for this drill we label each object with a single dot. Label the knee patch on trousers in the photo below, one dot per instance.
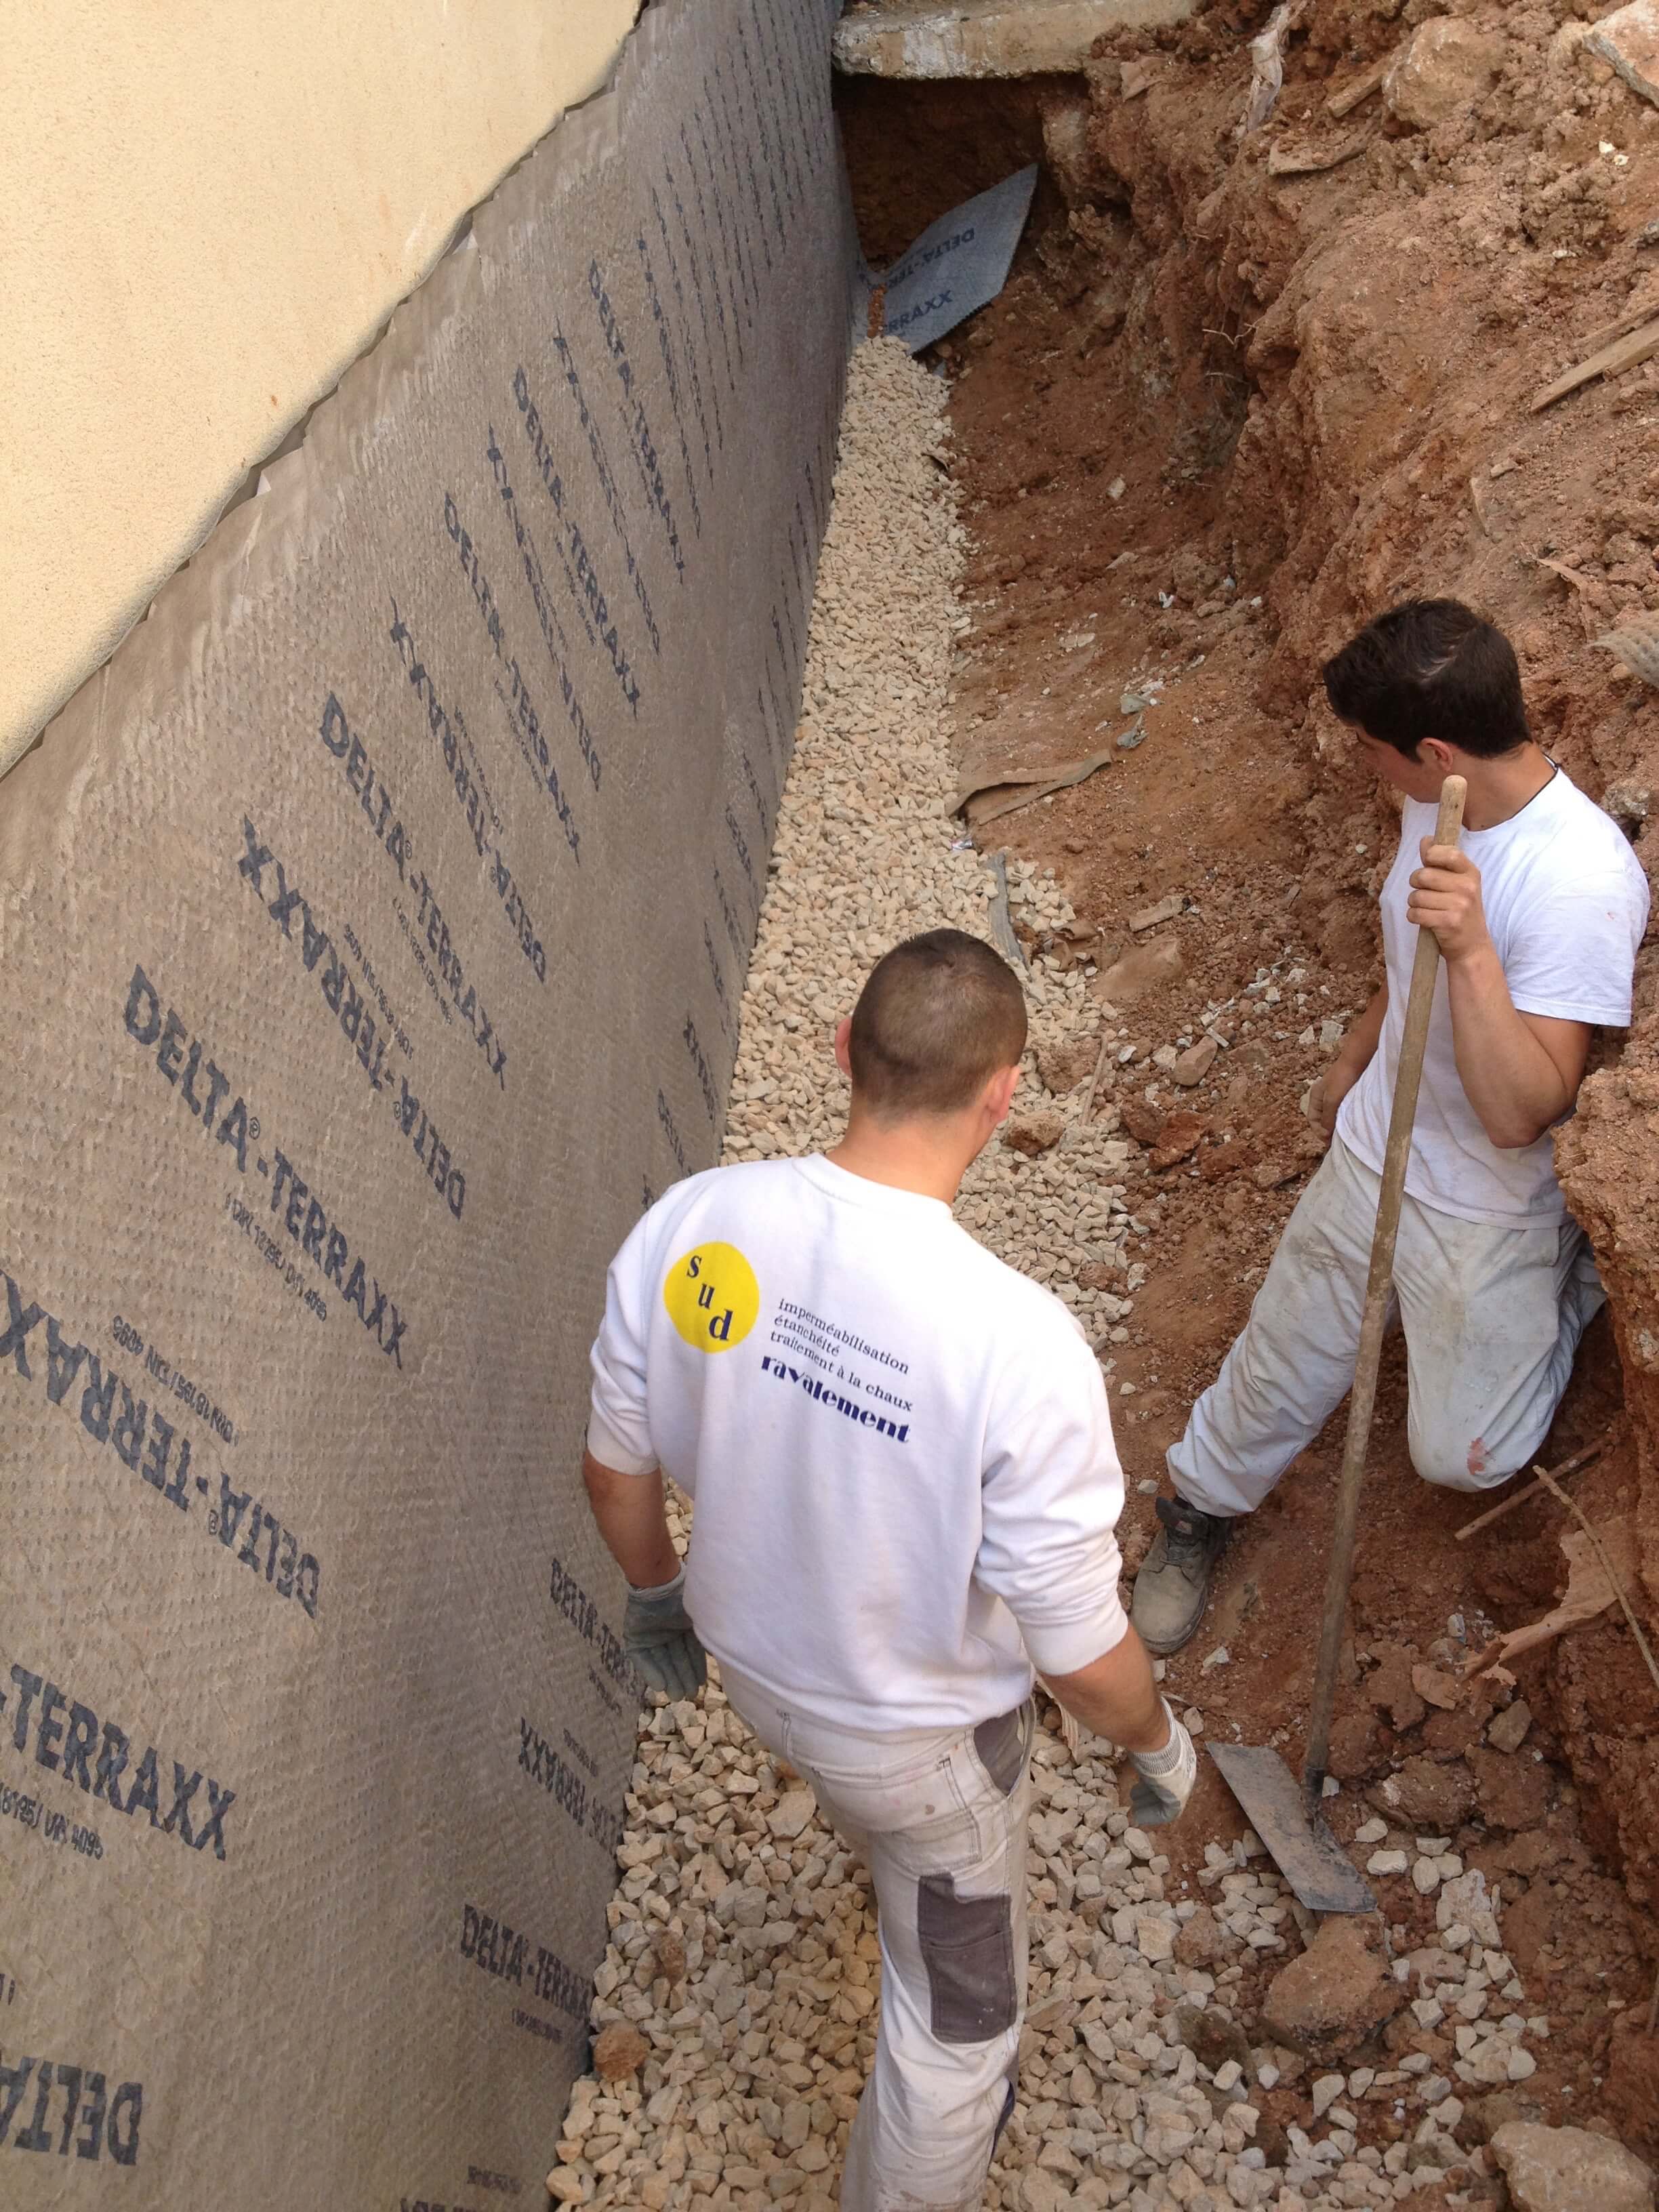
(967, 1946)
(1450, 1465)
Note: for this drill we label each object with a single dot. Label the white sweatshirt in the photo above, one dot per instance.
(899, 1448)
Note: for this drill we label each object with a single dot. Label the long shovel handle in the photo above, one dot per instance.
(1409, 1077)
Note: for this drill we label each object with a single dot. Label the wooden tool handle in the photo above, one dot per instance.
(1409, 1077)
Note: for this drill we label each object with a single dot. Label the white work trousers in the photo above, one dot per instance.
(940, 1818)
(1492, 1318)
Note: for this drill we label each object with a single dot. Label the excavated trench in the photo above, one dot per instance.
(1237, 395)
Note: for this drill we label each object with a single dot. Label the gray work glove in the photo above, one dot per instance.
(658, 1637)
(1167, 1778)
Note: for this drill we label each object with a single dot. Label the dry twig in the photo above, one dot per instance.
(1531, 1490)
(1359, 88)
(1599, 1549)
(1108, 1038)
(1610, 361)
(1312, 161)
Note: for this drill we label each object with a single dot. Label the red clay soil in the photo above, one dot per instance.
(1218, 418)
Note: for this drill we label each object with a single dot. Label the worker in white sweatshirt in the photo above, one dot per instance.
(905, 1490)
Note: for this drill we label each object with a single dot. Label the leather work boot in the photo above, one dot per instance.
(1174, 1580)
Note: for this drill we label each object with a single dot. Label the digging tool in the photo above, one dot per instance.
(1284, 1813)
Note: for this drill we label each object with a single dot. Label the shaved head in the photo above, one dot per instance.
(939, 1016)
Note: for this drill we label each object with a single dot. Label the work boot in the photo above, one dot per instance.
(1175, 1579)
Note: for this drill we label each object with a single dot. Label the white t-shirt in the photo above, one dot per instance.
(1566, 902)
(899, 1448)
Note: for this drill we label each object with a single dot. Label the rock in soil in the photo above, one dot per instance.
(1507, 1730)
(1212, 2040)
(1513, 1790)
(1570, 2170)
(1426, 1793)
(1178, 1140)
(1063, 1067)
(1031, 1133)
(1337, 1994)
(1448, 64)
(1629, 40)
(1201, 1943)
(1195, 1064)
(1145, 1123)
(1142, 969)
(618, 2052)
(1389, 1687)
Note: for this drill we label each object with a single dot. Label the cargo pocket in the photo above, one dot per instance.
(967, 1947)
(1002, 1746)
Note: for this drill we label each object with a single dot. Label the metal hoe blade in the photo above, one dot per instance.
(1303, 1849)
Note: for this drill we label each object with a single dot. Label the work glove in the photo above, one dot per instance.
(1167, 1778)
(658, 1637)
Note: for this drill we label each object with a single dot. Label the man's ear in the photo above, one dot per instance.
(843, 1054)
(1435, 752)
(999, 1092)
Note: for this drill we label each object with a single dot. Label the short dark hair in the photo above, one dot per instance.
(1430, 668)
(937, 1019)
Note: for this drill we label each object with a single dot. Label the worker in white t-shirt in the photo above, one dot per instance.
(905, 1490)
(1539, 913)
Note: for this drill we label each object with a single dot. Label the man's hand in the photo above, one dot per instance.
(1328, 1092)
(1446, 898)
(658, 1637)
(1355, 1055)
(1167, 1778)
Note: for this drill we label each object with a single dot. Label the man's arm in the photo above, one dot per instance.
(1354, 1055)
(1052, 1494)
(1519, 1072)
(628, 1498)
(633, 1518)
(1115, 1696)
(657, 1633)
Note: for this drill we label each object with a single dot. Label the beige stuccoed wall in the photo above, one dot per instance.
(207, 208)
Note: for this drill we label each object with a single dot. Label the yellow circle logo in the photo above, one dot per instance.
(712, 1296)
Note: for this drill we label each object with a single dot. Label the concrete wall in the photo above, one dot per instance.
(210, 207)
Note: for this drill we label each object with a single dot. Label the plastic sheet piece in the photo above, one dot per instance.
(957, 264)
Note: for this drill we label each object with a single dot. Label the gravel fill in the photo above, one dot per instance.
(736, 2001)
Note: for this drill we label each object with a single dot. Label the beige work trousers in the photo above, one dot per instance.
(940, 1818)
(1492, 1318)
